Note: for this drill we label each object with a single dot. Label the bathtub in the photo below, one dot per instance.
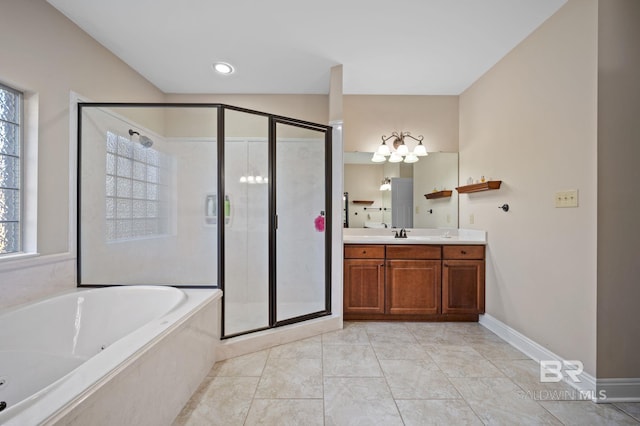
(114, 355)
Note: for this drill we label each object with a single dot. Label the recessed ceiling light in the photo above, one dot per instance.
(223, 68)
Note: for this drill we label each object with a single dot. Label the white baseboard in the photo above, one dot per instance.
(600, 390)
(587, 385)
(619, 390)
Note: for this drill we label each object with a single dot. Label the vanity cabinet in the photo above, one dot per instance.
(364, 279)
(463, 279)
(413, 282)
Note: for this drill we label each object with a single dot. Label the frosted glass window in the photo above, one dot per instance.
(136, 201)
(10, 170)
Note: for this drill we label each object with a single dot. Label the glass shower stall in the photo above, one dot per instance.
(208, 195)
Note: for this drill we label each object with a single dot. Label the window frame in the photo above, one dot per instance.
(29, 126)
(21, 166)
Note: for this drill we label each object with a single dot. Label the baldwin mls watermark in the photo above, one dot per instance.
(554, 371)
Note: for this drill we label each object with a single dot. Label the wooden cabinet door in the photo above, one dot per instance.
(413, 287)
(364, 286)
(463, 287)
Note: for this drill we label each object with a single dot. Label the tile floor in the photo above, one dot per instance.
(384, 373)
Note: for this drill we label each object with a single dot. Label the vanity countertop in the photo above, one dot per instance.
(414, 236)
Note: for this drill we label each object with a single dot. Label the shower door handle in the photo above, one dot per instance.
(275, 222)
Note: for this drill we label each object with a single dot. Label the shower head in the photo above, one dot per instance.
(144, 141)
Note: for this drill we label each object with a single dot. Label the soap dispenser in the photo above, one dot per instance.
(227, 210)
(227, 206)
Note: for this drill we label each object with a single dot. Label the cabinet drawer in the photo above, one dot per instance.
(463, 252)
(358, 251)
(412, 251)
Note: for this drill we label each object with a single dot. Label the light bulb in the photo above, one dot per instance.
(420, 150)
(377, 158)
(410, 158)
(395, 158)
(243, 179)
(403, 149)
(383, 149)
(223, 68)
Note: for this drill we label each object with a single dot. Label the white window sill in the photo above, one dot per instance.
(29, 260)
(17, 256)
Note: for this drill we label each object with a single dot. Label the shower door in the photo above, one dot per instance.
(244, 204)
(301, 203)
(275, 195)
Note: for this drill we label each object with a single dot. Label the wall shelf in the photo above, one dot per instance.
(477, 187)
(439, 194)
(363, 202)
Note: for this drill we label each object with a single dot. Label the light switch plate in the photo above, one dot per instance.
(568, 198)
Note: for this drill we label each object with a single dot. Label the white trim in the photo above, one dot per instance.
(619, 390)
(74, 98)
(33, 260)
(337, 254)
(29, 189)
(537, 352)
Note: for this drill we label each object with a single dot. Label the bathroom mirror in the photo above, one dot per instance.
(366, 206)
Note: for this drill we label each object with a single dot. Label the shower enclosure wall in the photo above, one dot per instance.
(204, 195)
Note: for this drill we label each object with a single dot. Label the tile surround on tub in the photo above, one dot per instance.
(27, 280)
(187, 352)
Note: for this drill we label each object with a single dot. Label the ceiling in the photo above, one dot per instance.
(403, 47)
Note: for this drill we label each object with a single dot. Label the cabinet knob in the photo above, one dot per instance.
(463, 252)
(364, 252)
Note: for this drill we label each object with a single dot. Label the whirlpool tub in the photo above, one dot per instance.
(114, 355)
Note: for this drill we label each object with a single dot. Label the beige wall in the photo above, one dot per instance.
(43, 52)
(368, 117)
(618, 182)
(531, 121)
(437, 171)
(336, 109)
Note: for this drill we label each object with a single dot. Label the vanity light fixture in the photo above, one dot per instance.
(401, 152)
(253, 179)
(223, 68)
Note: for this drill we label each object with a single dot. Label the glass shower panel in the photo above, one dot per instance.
(246, 214)
(146, 174)
(300, 209)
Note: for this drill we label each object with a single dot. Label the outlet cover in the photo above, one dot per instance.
(568, 198)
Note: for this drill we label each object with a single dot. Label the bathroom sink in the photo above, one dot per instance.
(391, 238)
(415, 236)
(411, 239)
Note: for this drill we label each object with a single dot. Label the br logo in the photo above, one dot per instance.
(552, 371)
